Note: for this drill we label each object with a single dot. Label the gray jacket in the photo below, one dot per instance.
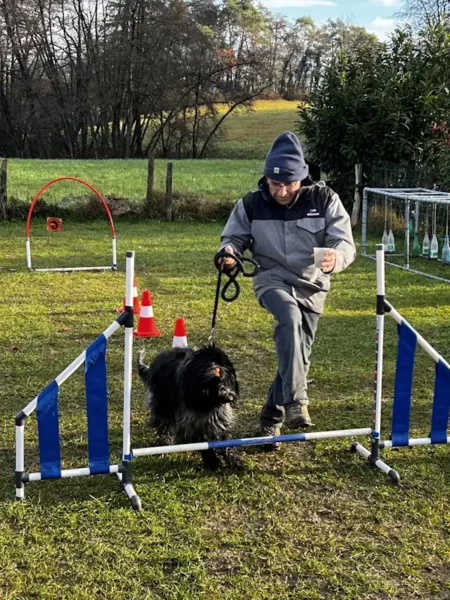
(282, 238)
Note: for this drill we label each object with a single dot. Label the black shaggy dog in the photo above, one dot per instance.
(191, 395)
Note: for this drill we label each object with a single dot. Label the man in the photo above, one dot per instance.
(281, 222)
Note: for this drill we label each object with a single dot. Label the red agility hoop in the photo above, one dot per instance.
(113, 267)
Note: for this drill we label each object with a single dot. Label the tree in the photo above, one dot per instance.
(425, 13)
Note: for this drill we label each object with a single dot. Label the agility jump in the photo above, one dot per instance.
(47, 411)
(407, 342)
(46, 406)
(113, 266)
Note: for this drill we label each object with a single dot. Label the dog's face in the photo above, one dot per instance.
(209, 380)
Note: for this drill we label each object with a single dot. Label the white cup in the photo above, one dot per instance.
(319, 253)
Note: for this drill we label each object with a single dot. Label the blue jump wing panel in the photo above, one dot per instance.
(97, 406)
(401, 413)
(48, 431)
(441, 404)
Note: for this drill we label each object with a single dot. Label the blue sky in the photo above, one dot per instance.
(377, 16)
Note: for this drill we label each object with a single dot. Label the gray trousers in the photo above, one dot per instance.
(293, 336)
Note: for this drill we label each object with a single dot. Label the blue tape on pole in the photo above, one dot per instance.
(97, 406)
(401, 413)
(48, 431)
(441, 404)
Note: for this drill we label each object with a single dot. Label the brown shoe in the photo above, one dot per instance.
(265, 431)
(297, 415)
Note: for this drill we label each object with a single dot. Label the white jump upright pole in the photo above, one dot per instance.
(374, 455)
(125, 475)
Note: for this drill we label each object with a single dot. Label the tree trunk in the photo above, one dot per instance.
(3, 190)
(169, 211)
(150, 182)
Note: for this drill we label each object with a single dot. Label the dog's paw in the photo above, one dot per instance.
(237, 465)
(210, 459)
(233, 460)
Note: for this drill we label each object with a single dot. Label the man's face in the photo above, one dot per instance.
(283, 193)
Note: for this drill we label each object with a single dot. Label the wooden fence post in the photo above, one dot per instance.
(4, 190)
(169, 212)
(150, 182)
(358, 194)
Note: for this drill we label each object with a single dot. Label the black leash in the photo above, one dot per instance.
(232, 275)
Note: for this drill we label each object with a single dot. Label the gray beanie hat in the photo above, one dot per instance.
(284, 161)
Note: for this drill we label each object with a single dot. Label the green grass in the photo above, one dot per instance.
(234, 169)
(212, 179)
(311, 522)
(250, 135)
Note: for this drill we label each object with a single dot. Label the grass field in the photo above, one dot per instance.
(250, 135)
(311, 522)
(247, 139)
(212, 179)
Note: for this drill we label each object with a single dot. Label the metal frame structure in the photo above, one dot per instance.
(113, 266)
(407, 195)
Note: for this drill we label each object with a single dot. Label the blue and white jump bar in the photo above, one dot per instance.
(409, 338)
(292, 437)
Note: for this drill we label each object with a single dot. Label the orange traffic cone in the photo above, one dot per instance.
(136, 303)
(179, 334)
(146, 324)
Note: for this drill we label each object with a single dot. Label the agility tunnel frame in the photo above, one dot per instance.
(46, 406)
(408, 338)
(113, 266)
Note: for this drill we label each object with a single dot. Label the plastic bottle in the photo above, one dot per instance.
(390, 241)
(416, 246)
(411, 224)
(446, 252)
(434, 247)
(384, 240)
(426, 245)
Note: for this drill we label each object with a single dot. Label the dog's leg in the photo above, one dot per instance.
(163, 431)
(232, 458)
(210, 459)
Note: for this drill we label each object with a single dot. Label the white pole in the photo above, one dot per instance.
(68, 269)
(28, 247)
(292, 437)
(364, 224)
(407, 212)
(126, 447)
(378, 383)
(413, 442)
(66, 473)
(20, 461)
(114, 253)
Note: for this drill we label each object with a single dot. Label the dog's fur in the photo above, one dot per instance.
(191, 395)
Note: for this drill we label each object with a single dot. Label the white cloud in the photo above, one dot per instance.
(386, 2)
(298, 3)
(381, 27)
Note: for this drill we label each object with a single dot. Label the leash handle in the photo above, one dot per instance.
(239, 266)
(232, 274)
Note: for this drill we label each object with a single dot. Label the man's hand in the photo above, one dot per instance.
(328, 261)
(228, 263)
